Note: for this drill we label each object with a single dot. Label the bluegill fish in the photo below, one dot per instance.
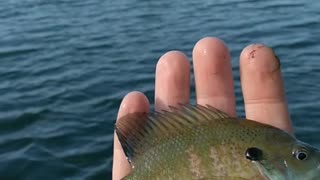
(197, 142)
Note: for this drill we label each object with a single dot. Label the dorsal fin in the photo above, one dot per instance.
(137, 131)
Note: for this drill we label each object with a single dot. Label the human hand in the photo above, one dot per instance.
(261, 82)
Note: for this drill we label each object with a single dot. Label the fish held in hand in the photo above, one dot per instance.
(197, 142)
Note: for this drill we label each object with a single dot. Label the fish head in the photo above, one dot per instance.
(303, 162)
(290, 161)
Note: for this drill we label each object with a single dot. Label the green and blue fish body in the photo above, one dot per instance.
(203, 143)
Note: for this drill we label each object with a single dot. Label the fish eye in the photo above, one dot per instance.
(254, 154)
(300, 154)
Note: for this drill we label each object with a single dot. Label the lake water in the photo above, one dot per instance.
(65, 65)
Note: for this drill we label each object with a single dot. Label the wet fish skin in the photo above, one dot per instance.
(204, 143)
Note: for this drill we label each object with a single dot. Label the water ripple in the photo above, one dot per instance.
(66, 65)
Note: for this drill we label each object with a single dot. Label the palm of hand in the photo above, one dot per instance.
(261, 82)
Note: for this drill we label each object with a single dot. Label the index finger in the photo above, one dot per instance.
(263, 88)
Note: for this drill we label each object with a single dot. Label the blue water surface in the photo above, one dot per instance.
(65, 65)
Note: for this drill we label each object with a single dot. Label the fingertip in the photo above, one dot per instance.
(211, 47)
(211, 41)
(172, 84)
(133, 102)
(259, 58)
(171, 63)
(261, 67)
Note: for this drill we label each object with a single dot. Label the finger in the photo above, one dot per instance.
(132, 102)
(213, 75)
(172, 84)
(262, 87)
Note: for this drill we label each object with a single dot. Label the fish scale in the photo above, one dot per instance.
(197, 142)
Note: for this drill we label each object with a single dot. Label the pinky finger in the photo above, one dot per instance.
(132, 102)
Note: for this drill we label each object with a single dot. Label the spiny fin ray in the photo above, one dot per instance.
(137, 131)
